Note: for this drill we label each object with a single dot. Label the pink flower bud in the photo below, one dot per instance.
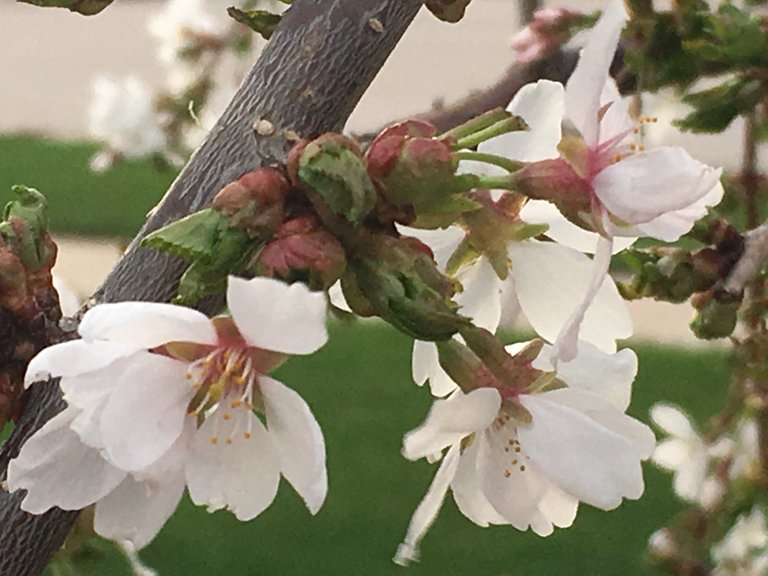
(255, 202)
(548, 30)
(302, 249)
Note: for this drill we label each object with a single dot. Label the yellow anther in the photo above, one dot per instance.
(247, 435)
(507, 473)
(249, 405)
(517, 448)
(641, 147)
(635, 130)
(214, 440)
(632, 147)
(236, 403)
(229, 440)
(225, 416)
(514, 462)
(522, 467)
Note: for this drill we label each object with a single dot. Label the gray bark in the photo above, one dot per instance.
(308, 80)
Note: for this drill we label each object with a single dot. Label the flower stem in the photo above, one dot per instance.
(509, 124)
(493, 159)
(476, 124)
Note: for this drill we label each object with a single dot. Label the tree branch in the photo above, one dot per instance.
(307, 81)
(751, 261)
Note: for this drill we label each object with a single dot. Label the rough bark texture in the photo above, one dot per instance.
(308, 80)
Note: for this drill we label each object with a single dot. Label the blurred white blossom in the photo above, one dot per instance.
(744, 549)
(123, 117)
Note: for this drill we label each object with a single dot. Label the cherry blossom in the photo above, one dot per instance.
(123, 117)
(538, 273)
(744, 549)
(159, 397)
(526, 453)
(603, 182)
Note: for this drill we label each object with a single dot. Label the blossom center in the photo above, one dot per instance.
(505, 439)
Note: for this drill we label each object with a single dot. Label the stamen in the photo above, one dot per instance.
(214, 439)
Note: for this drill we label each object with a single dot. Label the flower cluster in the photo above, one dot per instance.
(433, 236)
(159, 397)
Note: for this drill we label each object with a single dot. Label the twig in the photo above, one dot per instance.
(308, 80)
(751, 261)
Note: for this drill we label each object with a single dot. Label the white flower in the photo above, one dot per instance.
(122, 116)
(744, 549)
(68, 301)
(524, 456)
(600, 180)
(160, 396)
(684, 452)
(547, 280)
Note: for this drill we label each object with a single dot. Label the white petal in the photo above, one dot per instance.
(242, 476)
(298, 439)
(582, 457)
(481, 297)
(136, 511)
(672, 454)
(566, 343)
(542, 106)
(585, 86)
(146, 324)
(336, 296)
(672, 420)
(550, 280)
(428, 508)
(74, 358)
(670, 226)
(607, 375)
(565, 232)
(514, 490)
(558, 507)
(606, 414)
(646, 185)
(451, 420)
(616, 121)
(467, 491)
(145, 413)
(443, 241)
(57, 469)
(425, 365)
(276, 316)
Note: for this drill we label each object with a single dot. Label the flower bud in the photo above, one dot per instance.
(400, 281)
(255, 202)
(414, 169)
(14, 293)
(303, 251)
(716, 316)
(332, 170)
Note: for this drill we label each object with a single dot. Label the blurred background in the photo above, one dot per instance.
(49, 60)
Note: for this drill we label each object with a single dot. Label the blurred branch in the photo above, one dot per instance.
(752, 260)
(307, 81)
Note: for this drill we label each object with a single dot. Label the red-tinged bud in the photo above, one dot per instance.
(415, 170)
(255, 202)
(548, 30)
(14, 295)
(303, 250)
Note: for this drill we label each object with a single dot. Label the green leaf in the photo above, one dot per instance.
(262, 22)
(85, 7)
(716, 107)
(192, 238)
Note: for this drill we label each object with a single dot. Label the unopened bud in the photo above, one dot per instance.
(255, 202)
(415, 169)
(332, 170)
(303, 251)
(716, 316)
(404, 287)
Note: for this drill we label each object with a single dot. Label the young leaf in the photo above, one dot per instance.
(85, 7)
(262, 22)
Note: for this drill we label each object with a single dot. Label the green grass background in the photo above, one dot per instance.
(360, 389)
